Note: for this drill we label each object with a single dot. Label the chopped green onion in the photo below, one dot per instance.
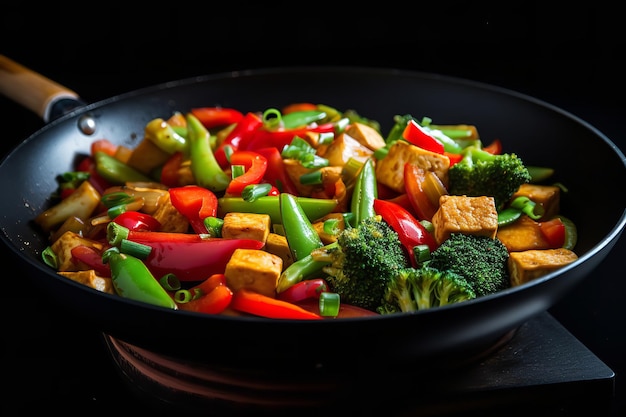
(421, 253)
(214, 226)
(136, 249)
(170, 282)
(253, 191)
(330, 226)
(311, 178)
(237, 170)
(430, 228)
(228, 151)
(50, 258)
(133, 205)
(272, 118)
(115, 199)
(325, 138)
(184, 296)
(329, 304)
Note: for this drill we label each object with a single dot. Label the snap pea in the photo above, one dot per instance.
(132, 279)
(364, 194)
(204, 166)
(299, 231)
(116, 171)
(314, 208)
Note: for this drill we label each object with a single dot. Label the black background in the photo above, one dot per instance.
(572, 57)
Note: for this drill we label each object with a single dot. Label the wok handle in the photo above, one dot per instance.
(35, 91)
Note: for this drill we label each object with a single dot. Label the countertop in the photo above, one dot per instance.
(574, 62)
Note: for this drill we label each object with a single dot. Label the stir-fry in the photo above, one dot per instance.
(305, 212)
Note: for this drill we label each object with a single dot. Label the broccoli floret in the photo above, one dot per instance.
(414, 289)
(362, 261)
(481, 173)
(481, 260)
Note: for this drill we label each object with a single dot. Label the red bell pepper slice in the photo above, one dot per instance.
(308, 288)
(251, 302)
(416, 185)
(453, 157)
(195, 203)
(192, 261)
(103, 145)
(255, 166)
(276, 174)
(92, 259)
(494, 147)
(280, 138)
(136, 220)
(410, 231)
(414, 133)
(216, 296)
(554, 232)
(169, 171)
(243, 132)
(212, 117)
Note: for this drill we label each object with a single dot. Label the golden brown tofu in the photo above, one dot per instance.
(256, 270)
(527, 265)
(295, 170)
(255, 226)
(81, 203)
(366, 136)
(547, 196)
(62, 248)
(90, 279)
(344, 147)
(170, 218)
(278, 245)
(147, 156)
(524, 234)
(468, 215)
(318, 225)
(390, 169)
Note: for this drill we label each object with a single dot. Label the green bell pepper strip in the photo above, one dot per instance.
(206, 170)
(132, 279)
(117, 172)
(314, 208)
(364, 194)
(301, 236)
(159, 132)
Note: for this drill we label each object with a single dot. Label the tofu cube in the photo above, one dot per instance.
(278, 245)
(62, 247)
(523, 234)
(390, 169)
(463, 214)
(547, 196)
(90, 279)
(255, 226)
(366, 135)
(527, 265)
(253, 269)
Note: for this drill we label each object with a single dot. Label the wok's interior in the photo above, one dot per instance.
(585, 162)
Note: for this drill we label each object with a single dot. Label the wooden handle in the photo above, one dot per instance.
(29, 88)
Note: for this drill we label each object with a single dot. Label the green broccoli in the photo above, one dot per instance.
(481, 260)
(413, 289)
(361, 262)
(480, 173)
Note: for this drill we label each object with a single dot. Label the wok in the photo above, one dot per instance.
(541, 133)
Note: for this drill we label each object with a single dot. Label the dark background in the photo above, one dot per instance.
(572, 57)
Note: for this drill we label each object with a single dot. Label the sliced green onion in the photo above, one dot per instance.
(115, 199)
(50, 258)
(430, 228)
(528, 207)
(237, 170)
(272, 118)
(329, 304)
(325, 138)
(136, 249)
(133, 205)
(421, 253)
(170, 282)
(228, 151)
(214, 226)
(253, 191)
(311, 178)
(330, 226)
(341, 124)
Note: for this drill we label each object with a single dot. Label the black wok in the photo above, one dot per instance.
(539, 132)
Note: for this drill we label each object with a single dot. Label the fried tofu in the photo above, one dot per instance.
(278, 245)
(62, 248)
(255, 226)
(253, 269)
(547, 196)
(527, 265)
(344, 147)
(90, 279)
(524, 234)
(366, 135)
(170, 218)
(390, 169)
(463, 214)
(318, 225)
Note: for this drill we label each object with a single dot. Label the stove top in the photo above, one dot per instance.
(61, 364)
